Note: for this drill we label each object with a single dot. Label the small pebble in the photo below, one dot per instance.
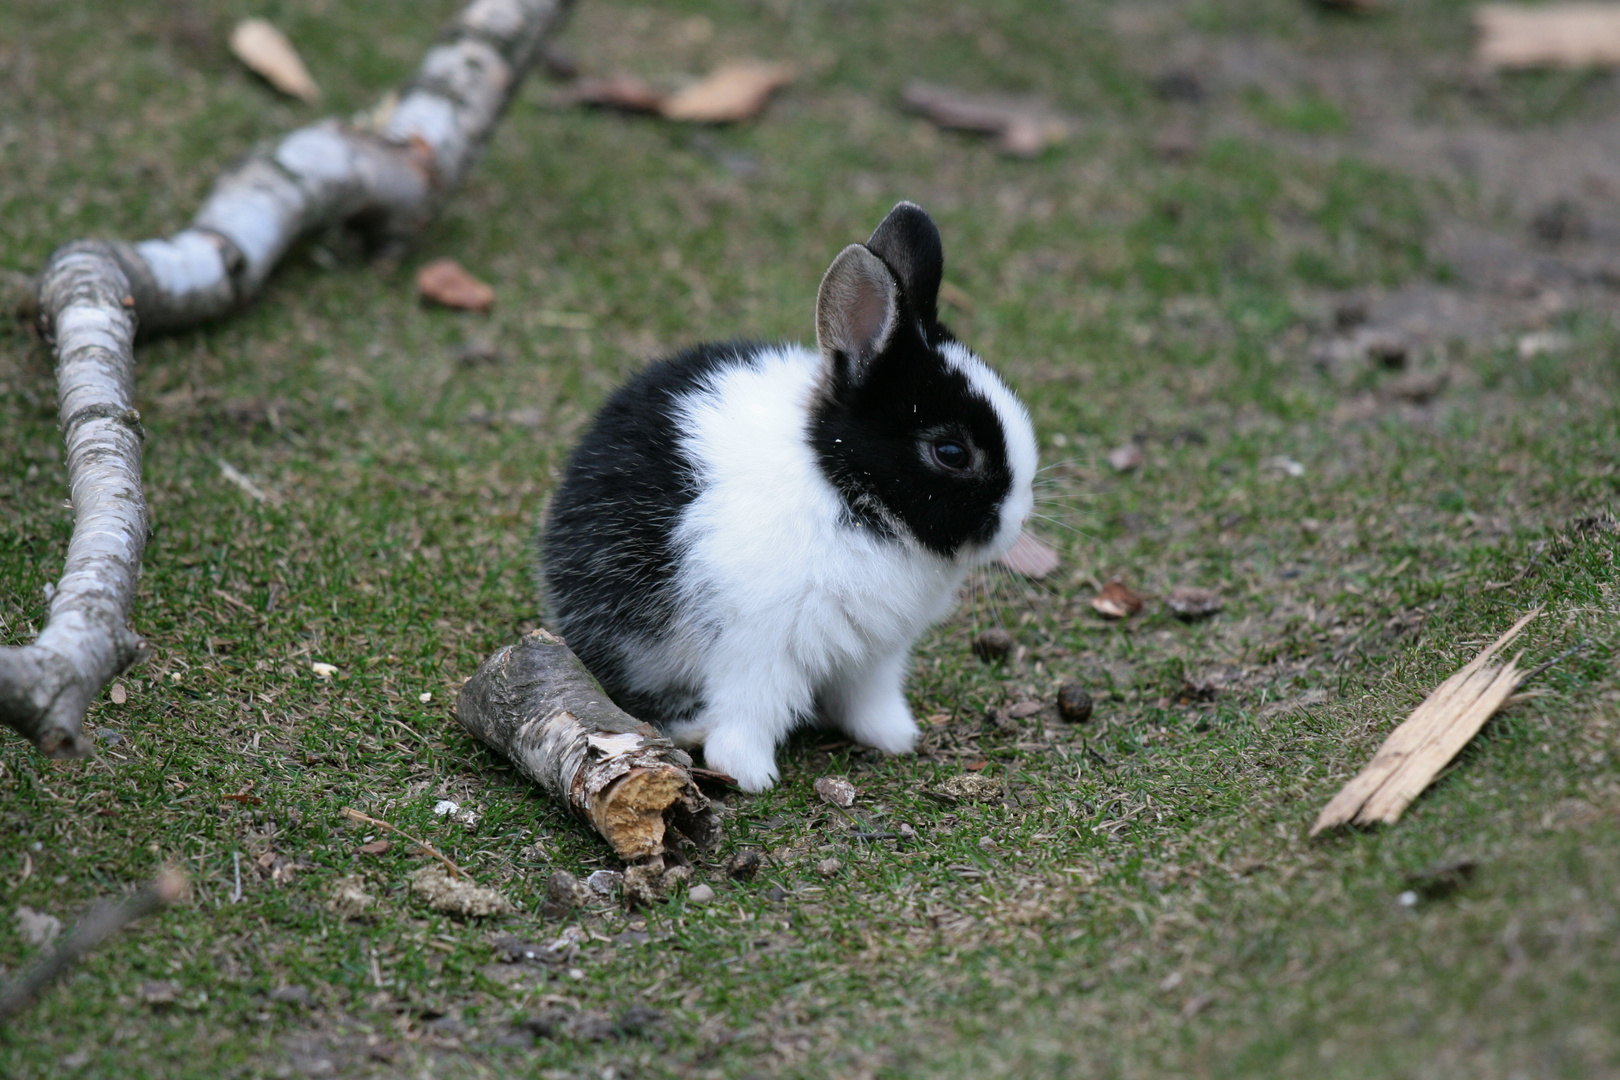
(564, 893)
(1002, 721)
(1126, 458)
(1409, 898)
(1074, 704)
(743, 865)
(993, 646)
(836, 790)
(643, 887)
(829, 867)
(1188, 603)
(907, 832)
(700, 894)
(605, 882)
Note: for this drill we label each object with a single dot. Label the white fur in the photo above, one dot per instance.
(788, 608)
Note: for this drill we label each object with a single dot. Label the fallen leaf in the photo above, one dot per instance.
(1026, 126)
(376, 847)
(1187, 602)
(443, 281)
(628, 93)
(1127, 457)
(1550, 35)
(1025, 708)
(734, 91)
(268, 54)
(117, 695)
(1030, 557)
(1117, 601)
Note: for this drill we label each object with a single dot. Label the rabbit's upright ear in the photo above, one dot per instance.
(857, 308)
(908, 241)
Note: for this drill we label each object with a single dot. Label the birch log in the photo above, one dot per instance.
(387, 178)
(535, 703)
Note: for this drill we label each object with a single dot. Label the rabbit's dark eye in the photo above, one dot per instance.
(952, 455)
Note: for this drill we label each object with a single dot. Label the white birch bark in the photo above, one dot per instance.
(95, 295)
(537, 705)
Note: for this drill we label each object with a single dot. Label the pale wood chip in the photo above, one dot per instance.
(268, 54)
(1549, 35)
(1416, 751)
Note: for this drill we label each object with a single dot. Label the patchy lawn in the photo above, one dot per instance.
(1353, 301)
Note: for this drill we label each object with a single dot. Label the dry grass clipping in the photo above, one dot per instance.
(1416, 751)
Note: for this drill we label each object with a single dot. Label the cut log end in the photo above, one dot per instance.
(536, 704)
(629, 813)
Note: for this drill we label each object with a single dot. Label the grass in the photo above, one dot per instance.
(1142, 900)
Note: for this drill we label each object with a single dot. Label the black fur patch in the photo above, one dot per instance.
(872, 438)
(606, 557)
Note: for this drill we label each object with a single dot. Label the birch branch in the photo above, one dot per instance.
(98, 924)
(94, 295)
(537, 705)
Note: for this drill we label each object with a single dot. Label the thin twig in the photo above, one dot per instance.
(1565, 655)
(354, 815)
(102, 921)
(1535, 558)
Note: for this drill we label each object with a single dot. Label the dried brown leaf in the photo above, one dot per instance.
(268, 54)
(628, 93)
(734, 91)
(443, 281)
(1030, 557)
(1026, 126)
(1551, 35)
(376, 847)
(1117, 601)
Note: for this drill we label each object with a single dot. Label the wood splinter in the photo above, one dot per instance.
(1415, 752)
(536, 704)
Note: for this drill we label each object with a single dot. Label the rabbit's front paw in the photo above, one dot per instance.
(883, 725)
(742, 754)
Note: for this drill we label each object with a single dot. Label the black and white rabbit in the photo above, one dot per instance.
(752, 536)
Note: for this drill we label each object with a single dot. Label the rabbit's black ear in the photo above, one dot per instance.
(908, 241)
(856, 310)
